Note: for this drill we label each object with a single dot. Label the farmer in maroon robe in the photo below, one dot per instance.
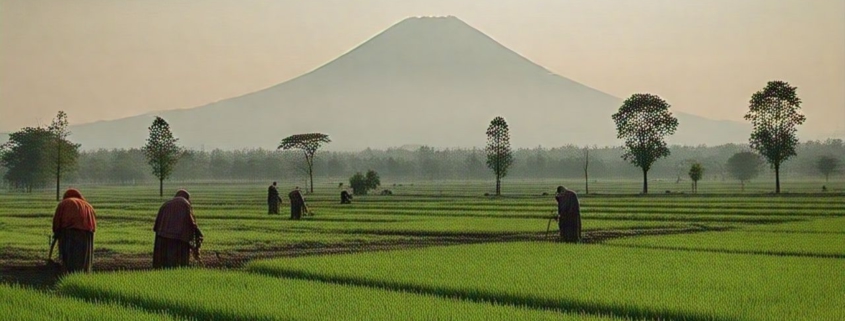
(273, 199)
(74, 223)
(569, 215)
(176, 229)
(297, 204)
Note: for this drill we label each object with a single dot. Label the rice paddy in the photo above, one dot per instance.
(444, 250)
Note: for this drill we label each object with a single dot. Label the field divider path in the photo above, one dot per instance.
(35, 273)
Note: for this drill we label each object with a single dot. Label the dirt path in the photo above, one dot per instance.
(36, 273)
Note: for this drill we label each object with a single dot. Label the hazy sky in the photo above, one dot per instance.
(107, 59)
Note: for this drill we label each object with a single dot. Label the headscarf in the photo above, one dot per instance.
(175, 219)
(73, 193)
(183, 194)
(73, 212)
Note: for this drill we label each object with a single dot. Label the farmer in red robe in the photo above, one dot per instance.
(73, 226)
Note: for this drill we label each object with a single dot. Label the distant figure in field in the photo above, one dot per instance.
(73, 227)
(176, 228)
(568, 215)
(345, 197)
(297, 204)
(273, 199)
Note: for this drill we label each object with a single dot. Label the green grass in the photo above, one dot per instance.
(597, 279)
(815, 238)
(23, 304)
(825, 226)
(208, 294)
(796, 244)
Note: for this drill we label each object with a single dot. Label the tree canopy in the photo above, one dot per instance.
(65, 152)
(696, 172)
(361, 184)
(643, 122)
(26, 157)
(161, 151)
(827, 165)
(775, 113)
(744, 166)
(499, 154)
(309, 144)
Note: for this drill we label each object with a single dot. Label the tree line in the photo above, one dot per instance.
(129, 166)
(644, 122)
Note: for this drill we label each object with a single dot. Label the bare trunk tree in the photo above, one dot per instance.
(586, 169)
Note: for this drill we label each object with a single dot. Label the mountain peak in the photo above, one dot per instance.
(429, 80)
(425, 47)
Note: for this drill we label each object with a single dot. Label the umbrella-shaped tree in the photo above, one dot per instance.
(309, 144)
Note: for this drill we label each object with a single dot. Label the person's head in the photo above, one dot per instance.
(183, 194)
(561, 189)
(73, 193)
(274, 183)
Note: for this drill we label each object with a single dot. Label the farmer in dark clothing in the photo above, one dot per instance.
(273, 199)
(73, 227)
(176, 228)
(568, 215)
(297, 204)
(345, 197)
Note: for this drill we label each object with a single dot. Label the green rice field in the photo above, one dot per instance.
(442, 250)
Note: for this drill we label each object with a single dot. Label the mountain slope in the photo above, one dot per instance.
(433, 81)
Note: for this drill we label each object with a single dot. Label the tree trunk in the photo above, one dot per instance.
(58, 171)
(777, 179)
(586, 182)
(498, 185)
(311, 176)
(160, 187)
(645, 181)
(586, 170)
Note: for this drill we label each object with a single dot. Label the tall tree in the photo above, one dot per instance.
(744, 166)
(309, 144)
(66, 153)
(827, 165)
(644, 121)
(161, 151)
(499, 154)
(26, 158)
(586, 169)
(775, 114)
(696, 172)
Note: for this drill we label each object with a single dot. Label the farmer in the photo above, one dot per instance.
(297, 204)
(73, 226)
(568, 215)
(345, 197)
(175, 229)
(273, 199)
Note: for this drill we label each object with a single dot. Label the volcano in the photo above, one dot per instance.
(431, 81)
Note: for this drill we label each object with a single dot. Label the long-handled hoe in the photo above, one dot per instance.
(49, 261)
(52, 241)
(549, 225)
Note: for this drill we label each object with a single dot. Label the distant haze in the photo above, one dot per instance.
(108, 59)
(435, 81)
